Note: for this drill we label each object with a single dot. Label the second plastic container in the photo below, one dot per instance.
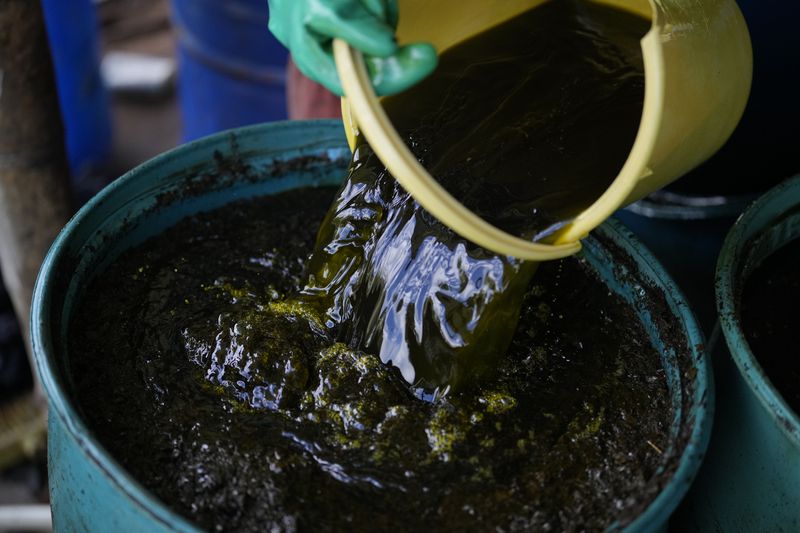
(750, 480)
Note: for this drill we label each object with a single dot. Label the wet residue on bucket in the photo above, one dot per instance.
(239, 418)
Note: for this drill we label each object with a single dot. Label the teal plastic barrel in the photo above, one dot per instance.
(91, 492)
(751, 478)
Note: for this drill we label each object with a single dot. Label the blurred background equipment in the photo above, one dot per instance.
(34, 203)
(138, 75)
(22, 417)
(232, 70)
(26, 518)
(72, 33)
(146, 118)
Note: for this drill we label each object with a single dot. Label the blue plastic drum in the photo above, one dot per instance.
(72, 31)
(232, 71)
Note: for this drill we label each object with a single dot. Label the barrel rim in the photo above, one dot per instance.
(656, 513)
(701, 404)
(763, 214)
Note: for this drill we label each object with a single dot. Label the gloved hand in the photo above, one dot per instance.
(307, 28)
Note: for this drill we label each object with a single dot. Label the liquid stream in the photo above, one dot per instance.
(526, 124)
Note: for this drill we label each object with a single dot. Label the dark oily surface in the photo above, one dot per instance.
(526, 124)
(234, 407)
(770, 321)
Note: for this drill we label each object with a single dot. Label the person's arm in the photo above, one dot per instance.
(307, 28)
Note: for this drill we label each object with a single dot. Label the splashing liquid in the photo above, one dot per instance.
(526, 124)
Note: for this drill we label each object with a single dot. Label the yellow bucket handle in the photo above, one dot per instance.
(698, 69)
(407, 170)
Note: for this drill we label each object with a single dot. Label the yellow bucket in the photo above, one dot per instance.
(698, 70)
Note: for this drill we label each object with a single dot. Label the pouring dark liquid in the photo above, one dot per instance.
(526, 124)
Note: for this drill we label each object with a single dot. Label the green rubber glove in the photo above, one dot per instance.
(307, 28)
